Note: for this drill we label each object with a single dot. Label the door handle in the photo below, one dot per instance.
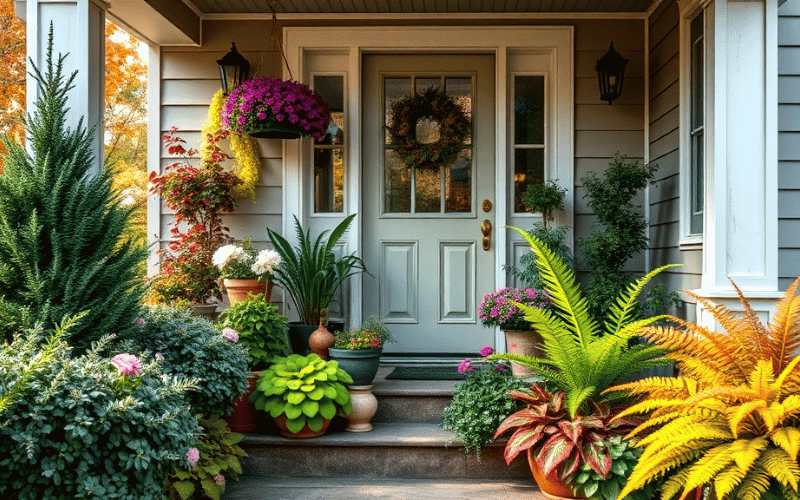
(486, 231)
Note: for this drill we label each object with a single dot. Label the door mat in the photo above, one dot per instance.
(426, 373)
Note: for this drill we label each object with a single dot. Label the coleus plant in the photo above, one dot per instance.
(556, 440)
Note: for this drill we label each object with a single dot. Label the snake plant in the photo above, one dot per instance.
(583, 358)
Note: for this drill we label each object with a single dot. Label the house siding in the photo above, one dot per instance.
(788, 142)
(664, 141)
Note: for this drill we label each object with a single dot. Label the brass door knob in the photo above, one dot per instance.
(486, 231)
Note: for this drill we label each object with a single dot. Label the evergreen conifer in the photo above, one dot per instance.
(62, 244)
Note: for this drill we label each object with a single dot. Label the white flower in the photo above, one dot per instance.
(266, 262)
(227, 254)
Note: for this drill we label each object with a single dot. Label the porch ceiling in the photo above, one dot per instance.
(415, 6)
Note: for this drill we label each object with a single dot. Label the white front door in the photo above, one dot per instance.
(422, 237)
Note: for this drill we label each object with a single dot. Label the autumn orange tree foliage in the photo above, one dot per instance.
(125, 122)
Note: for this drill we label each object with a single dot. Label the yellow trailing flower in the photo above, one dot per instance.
(244, 148)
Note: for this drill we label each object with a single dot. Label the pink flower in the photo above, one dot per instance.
(219, 479)
(192, 456)
(501, 367)
(486, 351)
(139, 321)
(126, 364)
(230, 334)
(464, 367)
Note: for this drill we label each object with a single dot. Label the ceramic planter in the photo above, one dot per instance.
(365, 405)
(551, 486)
(321, 341)
(361, 364)
(298, 337)
(523, 342)
(305, 432)
(244, 416)
(238, 289)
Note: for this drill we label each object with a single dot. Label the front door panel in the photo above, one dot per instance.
(422, 226)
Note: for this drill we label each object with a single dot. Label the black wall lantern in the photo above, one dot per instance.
(233, 69)
(610, 72)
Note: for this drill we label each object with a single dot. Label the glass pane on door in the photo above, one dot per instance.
(439, 188)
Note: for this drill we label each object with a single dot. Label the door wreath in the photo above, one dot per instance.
(436, 105)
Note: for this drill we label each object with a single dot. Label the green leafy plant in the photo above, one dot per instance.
(218, 464)
(527, 272)
(733, 418)
(544, 198)
(81, 428)
(620, 231)
(63, 244)
(480, 404)
(310, 272)
(588, 483)
(372, 335)
(581, 358)
(307, 389)
(557, 440)
(261, 329)
(193, 347)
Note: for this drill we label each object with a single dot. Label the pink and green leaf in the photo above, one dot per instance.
(553, 452)
(523, 439)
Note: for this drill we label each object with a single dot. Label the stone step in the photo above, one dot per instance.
(390, 450)
(357, 488)
(411, 401)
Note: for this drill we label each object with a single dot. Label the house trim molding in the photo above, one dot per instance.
(499, 41)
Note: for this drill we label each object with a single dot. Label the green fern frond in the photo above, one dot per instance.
(625, 309)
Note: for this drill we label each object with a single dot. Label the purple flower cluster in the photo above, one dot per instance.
(497, 309)
(267, 102)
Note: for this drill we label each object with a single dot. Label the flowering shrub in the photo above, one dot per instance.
(261, 330)
(372, 335)
(126, 364)
(216, 461)
(497, 309)
(80, 429)
(481, 403)
(245, 262)
(273, 103)
(193, 347)
(199, 196)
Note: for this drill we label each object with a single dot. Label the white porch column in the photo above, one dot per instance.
(78, 29)
(741, 203)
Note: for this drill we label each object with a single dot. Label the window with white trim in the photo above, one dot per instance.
(696, 125)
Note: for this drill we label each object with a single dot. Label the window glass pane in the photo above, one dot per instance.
(428, 191)
(697, 124)
(697, 84)
(460, 90)
(331, 88)
(394, 90)
(528, 168)
(398, 184)
(529, 109)
(423, 84)
(328, 180)
(458, 186)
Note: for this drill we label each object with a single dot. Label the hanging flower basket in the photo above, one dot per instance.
(434, 108)
(276, 109)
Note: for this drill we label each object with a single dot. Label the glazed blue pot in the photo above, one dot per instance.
(361, 364)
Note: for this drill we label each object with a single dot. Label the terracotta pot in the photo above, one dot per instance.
(361, 364)
(238, 289)
(305, 432)
(320, 341)
(243, 418)
(551, 486)
(523, 342)
(365, 404)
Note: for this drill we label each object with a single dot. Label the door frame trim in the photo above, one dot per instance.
(501, 41)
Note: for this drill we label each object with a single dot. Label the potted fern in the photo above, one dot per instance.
(310, 273)
(580, 361)
(732, 419)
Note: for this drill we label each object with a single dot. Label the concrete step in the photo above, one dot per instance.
(357, 488)
(411, 401)
(390, 450)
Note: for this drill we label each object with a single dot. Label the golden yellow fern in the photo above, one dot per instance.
(788, 439)
(785, 328)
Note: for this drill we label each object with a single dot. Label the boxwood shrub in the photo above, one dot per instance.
(193, 347)
(78, 428)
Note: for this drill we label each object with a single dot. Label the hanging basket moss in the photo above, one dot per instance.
(435, 105)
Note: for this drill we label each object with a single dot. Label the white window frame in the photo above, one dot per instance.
(689, 11)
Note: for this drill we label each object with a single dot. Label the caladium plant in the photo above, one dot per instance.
(556, 440)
